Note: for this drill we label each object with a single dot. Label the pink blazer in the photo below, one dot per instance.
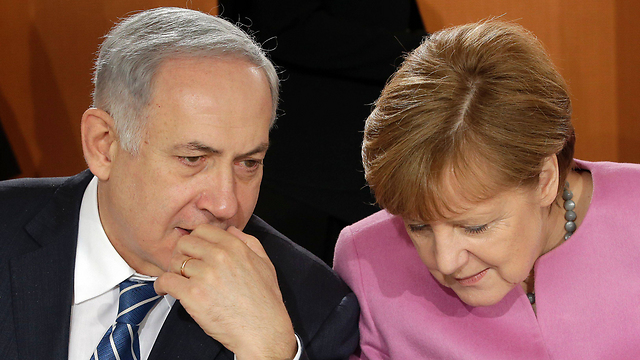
(587, 290)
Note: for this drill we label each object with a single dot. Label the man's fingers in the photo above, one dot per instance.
(188, 267)
(229, 291)
(172, 284)
(209, 232)
(250, 241)
(193, 245)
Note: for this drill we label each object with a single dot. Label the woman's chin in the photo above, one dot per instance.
(478, 298)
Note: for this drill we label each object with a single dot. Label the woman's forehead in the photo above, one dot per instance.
(464, 209)
(457, 193)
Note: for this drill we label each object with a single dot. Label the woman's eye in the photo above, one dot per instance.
(418, 227)
(475, 229)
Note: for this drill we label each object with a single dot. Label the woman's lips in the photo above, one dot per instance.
(473, 279)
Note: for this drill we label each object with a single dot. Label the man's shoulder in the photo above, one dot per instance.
(26, 189)
(23, 200)
(317, 299)
(287, 255)
(20, 195)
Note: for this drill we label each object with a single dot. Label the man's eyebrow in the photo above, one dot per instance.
(258, 149)
(198, 146)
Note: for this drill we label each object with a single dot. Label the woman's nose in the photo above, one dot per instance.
(450, 252)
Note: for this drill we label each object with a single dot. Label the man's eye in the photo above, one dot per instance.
(251, 164)
(191, 160)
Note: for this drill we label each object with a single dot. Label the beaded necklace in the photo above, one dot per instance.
(570, 226)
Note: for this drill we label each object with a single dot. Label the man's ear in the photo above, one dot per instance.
(548, 180)
(99, 141)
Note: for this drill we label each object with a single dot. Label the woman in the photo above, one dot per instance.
(494, 242)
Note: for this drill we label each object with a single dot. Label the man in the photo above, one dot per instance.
(183, 104)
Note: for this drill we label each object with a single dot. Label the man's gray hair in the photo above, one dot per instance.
(133, 50)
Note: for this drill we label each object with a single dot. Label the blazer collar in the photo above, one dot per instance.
(42, 280)
(181, 337)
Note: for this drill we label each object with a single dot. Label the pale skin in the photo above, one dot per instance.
(188, 193)
(485, 249)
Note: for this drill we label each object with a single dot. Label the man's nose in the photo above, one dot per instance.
(451, 253)
(218, 195)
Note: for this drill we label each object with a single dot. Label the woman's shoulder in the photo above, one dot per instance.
(380, 220)
(374, 244)
(381, 230)
(613, 181)
(611, 170)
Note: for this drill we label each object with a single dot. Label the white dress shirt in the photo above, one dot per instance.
(99, 270)
(98, 273)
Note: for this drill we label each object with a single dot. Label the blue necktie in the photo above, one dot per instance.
(121, 339)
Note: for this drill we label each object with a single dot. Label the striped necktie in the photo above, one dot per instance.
(120, 342)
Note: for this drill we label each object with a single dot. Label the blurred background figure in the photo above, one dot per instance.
(8, 165)
(335, 57)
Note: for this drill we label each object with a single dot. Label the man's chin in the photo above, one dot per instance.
(152, 269)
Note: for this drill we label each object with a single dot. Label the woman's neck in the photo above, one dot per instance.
(581, 185)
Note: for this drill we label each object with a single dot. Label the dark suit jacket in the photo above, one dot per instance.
(38, 235)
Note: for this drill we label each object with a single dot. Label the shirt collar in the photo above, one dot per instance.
(99, 267)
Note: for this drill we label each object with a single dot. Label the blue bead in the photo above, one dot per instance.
(569, 205)
(570, 226)
(570, 215)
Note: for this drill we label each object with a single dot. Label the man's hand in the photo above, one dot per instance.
(231, 290)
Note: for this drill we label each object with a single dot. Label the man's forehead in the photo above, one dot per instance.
(209, 64)
(202, 100)
(224, 75)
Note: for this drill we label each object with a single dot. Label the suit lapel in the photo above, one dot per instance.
(182, 338)
(42, 280)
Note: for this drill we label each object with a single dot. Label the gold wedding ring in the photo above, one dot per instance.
(184, 263)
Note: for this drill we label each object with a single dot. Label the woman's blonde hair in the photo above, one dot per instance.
(481, 102)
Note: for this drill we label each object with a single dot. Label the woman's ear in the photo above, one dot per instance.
(548, 181)
(99, 141)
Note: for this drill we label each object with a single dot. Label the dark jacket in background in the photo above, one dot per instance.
(8, 164)
(335, 57)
